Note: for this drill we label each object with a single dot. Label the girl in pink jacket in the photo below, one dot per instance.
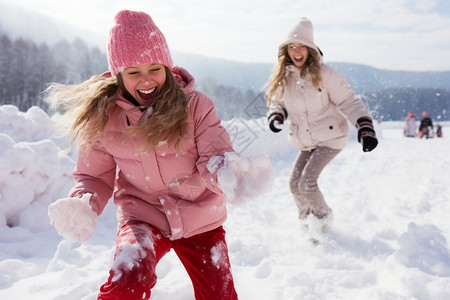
(147, 138)
(317, 99)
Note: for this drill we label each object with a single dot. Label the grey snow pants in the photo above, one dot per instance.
(303, 182)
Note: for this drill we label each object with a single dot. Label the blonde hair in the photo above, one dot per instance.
(85, 107)
(312, 66)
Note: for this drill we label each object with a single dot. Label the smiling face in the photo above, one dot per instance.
(144, 82)
(298, 53)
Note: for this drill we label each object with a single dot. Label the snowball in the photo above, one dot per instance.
(244, 178)
(73, 218)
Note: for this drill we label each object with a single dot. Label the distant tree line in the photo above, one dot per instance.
(394, 104)
(27, 68)
(232, 102)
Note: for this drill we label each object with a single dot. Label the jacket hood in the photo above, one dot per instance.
(184, 79)
(301, 32)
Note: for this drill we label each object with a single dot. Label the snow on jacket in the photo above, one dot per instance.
(174, 192)
(317, 116)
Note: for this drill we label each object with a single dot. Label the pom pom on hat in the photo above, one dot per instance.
(301, 32)
(134, 40)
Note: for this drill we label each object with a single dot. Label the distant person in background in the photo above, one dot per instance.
(315, 97)
(410, 125)
(438, 130)
(426, 126)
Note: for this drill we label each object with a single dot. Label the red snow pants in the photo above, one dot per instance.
(140, 246)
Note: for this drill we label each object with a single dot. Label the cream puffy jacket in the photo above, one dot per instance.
(318, 116)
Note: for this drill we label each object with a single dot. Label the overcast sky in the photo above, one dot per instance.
(388, 34)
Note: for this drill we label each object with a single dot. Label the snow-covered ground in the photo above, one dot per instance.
(388, 240)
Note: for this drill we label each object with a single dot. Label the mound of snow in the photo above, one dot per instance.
(33, 173)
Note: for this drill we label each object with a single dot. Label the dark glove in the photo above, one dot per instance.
(275, 120)
(366, 134)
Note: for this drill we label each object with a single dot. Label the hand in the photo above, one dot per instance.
(73, 218)
(366, 134)
(275, 120)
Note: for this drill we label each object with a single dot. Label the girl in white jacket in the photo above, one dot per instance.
(318, 101)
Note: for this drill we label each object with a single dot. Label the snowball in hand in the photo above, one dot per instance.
(73, 218)
(244, 178)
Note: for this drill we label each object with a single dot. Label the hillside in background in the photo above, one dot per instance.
(394, 104)
(236, 87)
(37, 51)
(366, 79)
(362, 78)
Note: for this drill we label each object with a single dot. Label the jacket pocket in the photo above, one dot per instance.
(293, 131)
(329, 128)
(298, 139)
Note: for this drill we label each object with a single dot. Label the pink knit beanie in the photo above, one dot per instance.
(301, 32)
(134, 40)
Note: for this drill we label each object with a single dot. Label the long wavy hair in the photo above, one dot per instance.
(84, 108)
(312, 66)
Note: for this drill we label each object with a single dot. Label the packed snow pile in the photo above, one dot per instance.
(425, 248)
(389, 238)
(32, 172)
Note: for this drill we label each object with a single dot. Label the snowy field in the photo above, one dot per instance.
(389, 239)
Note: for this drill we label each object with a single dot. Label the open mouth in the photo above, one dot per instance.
(147, 95)
(298, 58)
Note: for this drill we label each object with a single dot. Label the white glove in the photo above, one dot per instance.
(73, 218)
(244, 178)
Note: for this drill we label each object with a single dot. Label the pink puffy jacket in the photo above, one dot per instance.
(174, 192)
